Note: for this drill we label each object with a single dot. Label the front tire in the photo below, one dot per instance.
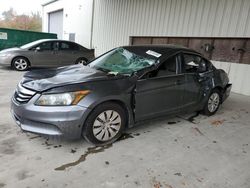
(213, 103)
(20, 64)
(105, 124)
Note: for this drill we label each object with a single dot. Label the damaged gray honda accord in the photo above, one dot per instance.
(117, 90)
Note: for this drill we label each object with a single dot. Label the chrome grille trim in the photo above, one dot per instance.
(23, 90)
(23, 95)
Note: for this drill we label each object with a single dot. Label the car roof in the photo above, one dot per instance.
(165, 50)
(37, 42)
(48, 40)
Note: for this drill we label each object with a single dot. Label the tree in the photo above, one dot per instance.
(31, 22)
(9, 15)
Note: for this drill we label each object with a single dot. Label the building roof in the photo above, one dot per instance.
(48, 2)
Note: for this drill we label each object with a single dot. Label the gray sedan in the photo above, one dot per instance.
(45, 53)
(117, 90)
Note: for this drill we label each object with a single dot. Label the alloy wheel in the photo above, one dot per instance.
(21, 64)
(107, 125)
(213, 102)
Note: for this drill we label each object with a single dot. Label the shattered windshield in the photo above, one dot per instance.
(121, 61)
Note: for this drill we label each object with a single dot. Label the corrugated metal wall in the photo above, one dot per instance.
(116, 20)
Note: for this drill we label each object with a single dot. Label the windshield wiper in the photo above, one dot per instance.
(102, 69)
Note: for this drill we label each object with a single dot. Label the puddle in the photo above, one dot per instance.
(178, 174)
(125, 136)
(172, 122)
(137, 134)
(191, 119)
(58, 146)
(91, 150)
(47, 143)
(34, 137)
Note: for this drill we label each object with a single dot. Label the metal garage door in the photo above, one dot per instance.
(56, 23)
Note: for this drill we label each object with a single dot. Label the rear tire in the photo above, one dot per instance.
(213, 103)
(82, 61)
(20, 63)
(105, 124)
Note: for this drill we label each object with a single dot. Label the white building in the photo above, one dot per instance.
(220, 29)
(71, 20)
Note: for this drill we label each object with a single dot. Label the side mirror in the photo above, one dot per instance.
(38, 48)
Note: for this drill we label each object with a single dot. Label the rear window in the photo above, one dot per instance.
(68, 46)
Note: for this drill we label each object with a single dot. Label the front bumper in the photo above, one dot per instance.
(5, 61)
(56, 120)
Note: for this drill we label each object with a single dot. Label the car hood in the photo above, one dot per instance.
(41, 80)
(10, 50)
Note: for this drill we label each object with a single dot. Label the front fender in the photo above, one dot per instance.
(92, 101)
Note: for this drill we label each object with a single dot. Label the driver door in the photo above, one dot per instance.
(161, 91)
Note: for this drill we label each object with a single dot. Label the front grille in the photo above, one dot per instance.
(23, 95)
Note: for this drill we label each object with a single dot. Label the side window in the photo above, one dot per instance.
(168, 67)
(64, 46)
(191, 63)
(45, 46)
(55, 46)
(68, 46)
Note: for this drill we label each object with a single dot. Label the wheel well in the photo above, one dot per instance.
(12, 61)
(220, 89)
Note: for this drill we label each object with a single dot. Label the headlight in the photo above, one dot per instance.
(61, 99)
(4, 55)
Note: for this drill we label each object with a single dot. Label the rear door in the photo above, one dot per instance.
(160, 92)
(68, 53)
(194, 83)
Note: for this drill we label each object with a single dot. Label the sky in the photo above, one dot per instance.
(21, 6)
